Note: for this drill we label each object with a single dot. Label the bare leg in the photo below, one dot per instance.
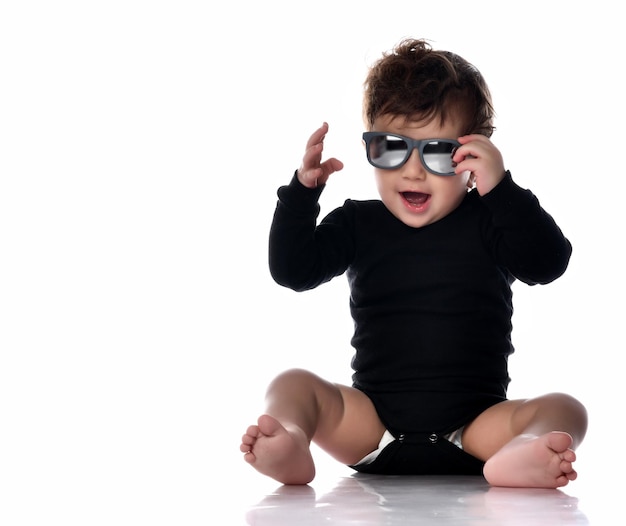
(302, 407)
(529, 443)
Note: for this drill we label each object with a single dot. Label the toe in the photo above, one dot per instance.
(268, 425)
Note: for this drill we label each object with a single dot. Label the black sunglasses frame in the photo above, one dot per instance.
(412, 144)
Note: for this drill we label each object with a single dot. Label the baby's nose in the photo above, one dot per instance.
(413, 168)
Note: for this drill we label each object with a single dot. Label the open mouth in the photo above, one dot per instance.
(416, 199)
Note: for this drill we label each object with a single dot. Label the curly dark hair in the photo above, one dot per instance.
(419, 83)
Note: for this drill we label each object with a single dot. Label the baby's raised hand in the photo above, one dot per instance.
(313, 172)
(480, 156)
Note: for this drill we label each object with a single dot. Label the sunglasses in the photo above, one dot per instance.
(389, 151)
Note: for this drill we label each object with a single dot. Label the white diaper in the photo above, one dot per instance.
(387, 439)
(456, 437)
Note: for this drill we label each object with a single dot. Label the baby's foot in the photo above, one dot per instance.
(533, 462)
(277, 452)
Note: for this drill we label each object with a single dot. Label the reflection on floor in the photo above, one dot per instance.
(369, 500)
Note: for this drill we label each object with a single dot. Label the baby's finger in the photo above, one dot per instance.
(317, 136)
(314, 147)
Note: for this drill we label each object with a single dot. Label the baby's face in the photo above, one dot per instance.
(414, 195)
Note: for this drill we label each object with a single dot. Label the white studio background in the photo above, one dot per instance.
(141, 146)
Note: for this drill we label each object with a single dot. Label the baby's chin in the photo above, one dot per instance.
(418, 211)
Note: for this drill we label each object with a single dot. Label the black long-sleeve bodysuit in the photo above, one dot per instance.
(432, 306)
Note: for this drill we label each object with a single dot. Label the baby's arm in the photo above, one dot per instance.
(313, 172)
(301, 256)
(524, 237)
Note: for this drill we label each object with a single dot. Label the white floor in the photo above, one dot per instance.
(379, 500)
(338, 496)
(176, 478)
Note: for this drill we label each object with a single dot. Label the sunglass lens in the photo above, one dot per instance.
(438, 156)
(387, 151)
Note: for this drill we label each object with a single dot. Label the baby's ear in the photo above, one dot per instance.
(471, 181)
